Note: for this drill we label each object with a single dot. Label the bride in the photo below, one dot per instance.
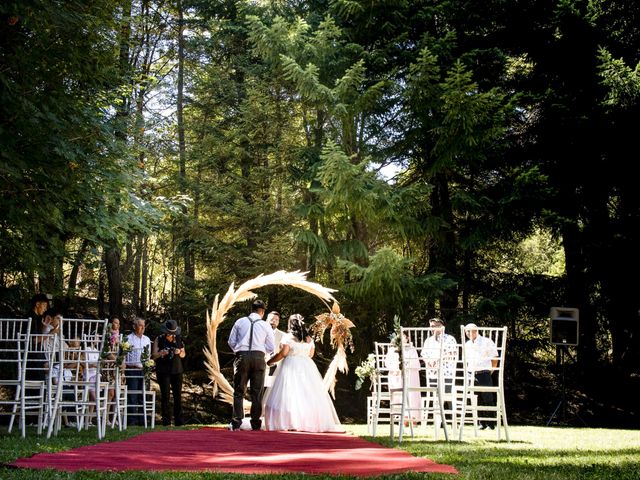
(298, 399)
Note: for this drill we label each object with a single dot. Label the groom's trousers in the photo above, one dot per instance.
(248, 367)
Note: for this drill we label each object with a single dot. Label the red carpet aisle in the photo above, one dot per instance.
(217, 449)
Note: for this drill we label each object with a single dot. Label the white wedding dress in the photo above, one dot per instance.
(298, 399)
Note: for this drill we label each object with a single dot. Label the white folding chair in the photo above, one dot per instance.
(484, 358)
(419, 402)
(80, 387)
(454, 397)
(43, 352)
(440, 354)
(116, 400)
(149, 396)
(379, 403)
(141, 398)
(113, 374)
(14, 336)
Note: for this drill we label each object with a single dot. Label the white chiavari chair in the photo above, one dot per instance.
(80, 388)
(14, 336)
(117, 393)
(420, 403)
(440, 354)
(78, 328)
(379, 403)
(141, 398)
(484, 358)
(43, 352)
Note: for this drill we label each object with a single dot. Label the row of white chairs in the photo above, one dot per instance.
(58, 377)
(431, 383)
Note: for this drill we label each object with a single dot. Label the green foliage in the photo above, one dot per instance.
(387, 282)
(497, 119)
(621, 81)
(538, 254)
(349, 186)
(62, 158)
(306, 81)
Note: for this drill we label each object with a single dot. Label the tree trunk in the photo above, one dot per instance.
(143, 280)
(101, 284)
(73, 276)
(442, 257)
(189, 271)
(114, 279)
(135, 292)
(577, 295)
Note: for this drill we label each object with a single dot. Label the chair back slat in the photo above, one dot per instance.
(14, 334)
(77, 328)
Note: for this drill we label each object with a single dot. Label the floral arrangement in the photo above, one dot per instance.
(340, 328)
(124, 347)
(396, 338)
(110, 343)
(114, 337)
(366, 370)
(148, 365)
(341, 339)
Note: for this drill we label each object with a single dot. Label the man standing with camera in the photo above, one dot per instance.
(168, 352)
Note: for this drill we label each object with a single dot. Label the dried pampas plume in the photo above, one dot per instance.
(297, 279)
(341, 339)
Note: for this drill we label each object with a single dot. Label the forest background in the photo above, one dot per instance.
(471, 161)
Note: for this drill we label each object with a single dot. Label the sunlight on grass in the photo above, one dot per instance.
(543, 453)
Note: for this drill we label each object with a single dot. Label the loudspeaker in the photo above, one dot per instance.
(563, 326)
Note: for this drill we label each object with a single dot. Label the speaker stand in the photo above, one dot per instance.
(562, 404)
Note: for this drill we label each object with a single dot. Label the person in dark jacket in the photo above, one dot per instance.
(38, 306)
(168, 352)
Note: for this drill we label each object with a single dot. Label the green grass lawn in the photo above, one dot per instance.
(540, 453)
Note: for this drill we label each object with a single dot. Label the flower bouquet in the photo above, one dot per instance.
(148, 365)
(396, 339)
(124, 347)
(110, 343)
(366, 370)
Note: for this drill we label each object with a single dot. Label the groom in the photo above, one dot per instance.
(251, 338)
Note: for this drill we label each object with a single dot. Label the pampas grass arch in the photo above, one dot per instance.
(297, 279)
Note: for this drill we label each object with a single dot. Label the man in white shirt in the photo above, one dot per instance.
(138, 342)
(431, 353)
(251, 339)
(273, 319)
(482, 358)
